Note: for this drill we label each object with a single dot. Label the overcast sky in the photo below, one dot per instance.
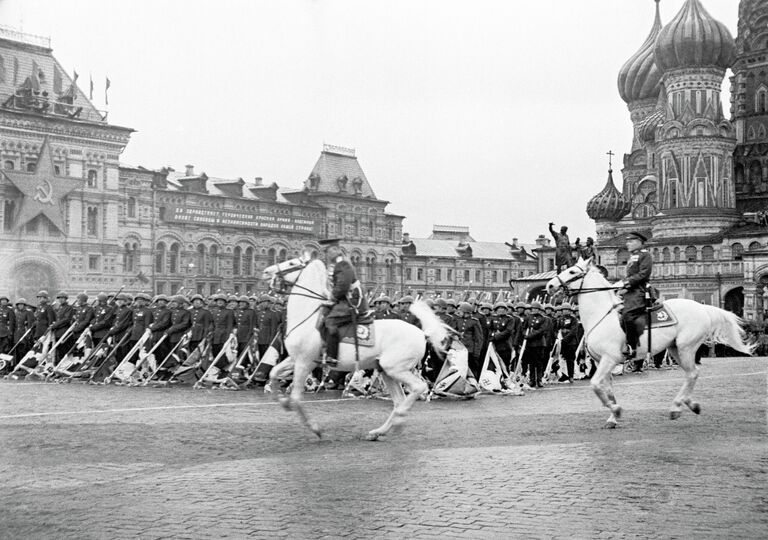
(495, 115)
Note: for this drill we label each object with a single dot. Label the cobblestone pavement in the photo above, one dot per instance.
(113, 462)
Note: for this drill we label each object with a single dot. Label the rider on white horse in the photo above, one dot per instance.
(633, 288)
(349, 303)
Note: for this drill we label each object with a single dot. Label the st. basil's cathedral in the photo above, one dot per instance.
(694, 181)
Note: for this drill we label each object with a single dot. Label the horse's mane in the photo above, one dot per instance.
(316, 266)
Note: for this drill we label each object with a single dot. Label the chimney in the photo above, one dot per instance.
(258, 181)
(190, 170)
(514, 242)
(406, 238)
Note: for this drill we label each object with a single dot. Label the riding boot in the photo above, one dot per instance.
(332, 347)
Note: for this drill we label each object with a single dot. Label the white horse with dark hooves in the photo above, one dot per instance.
(605, 341)
(398, 345)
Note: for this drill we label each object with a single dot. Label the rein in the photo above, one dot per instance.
(312, 294)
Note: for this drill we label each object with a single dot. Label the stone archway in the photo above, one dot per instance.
(29, 277)
(733, 301)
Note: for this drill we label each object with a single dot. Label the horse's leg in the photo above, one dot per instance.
(686, 358)
(274, 381)
(416, 387)
(301, 369)
(398, 396)
(601, 386)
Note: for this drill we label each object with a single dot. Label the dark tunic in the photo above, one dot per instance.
(639, 269)
(180, 323)
(104, 317)
(346, 294)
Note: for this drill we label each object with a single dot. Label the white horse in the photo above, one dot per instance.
(605, 340)
(399, 345)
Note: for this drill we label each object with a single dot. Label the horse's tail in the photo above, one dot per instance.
(728, 328)
(437, 331)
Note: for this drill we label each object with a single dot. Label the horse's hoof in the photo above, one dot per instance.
(616, 410)
(316, 430)
(674, 415)
(610, 424)
(695, 407)
(285, 402)
(371, 436)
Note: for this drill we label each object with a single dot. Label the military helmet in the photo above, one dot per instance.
(466, 307)
(243, 298)
(526, 306)
(548, 306)
(440, 302)
(566, 307)
(451, 302)
(62, 294)
(3, 297)
(21, 301)
(519, 305)
(265, 298)
(386, 299)
(101, 297)
(197, 297)
(143, 296)
(407, 299)
(82, 297)
(535, 305)
(430, 302)
(472, 300)
(42, 294)
(179, 299)
(123, 296)
(160, 297)
(498, 305)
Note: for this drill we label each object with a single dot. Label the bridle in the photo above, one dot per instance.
(308, 293)
(581, 290)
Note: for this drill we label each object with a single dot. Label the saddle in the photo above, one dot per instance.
(366, 336)
(661, 316)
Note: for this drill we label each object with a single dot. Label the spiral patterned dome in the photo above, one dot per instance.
(694, 39)
(609, 204)
(639, 77)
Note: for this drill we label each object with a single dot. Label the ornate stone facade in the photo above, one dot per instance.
(697, 183)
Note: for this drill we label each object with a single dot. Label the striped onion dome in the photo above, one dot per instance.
(694, 39)
(609, 204)
(639, 77)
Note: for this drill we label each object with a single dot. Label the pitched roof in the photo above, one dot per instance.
(21, 55)
(336, 163)
(430, 247)
(538, 277)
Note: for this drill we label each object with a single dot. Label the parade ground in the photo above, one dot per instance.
(83, 461)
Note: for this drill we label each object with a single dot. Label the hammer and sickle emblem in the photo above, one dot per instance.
(43, 193)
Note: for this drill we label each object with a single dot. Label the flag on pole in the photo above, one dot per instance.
(106, 89)
(90, 93)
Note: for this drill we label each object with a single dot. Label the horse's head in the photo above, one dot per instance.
(286, 271)
(569, 277)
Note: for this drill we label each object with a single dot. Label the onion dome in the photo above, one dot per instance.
(639, 77)
(694, 39)
(609, 204)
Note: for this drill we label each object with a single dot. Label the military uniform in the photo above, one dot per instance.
(82, 317)
(245, 320)
(349, 302)
(25, 319)
(503, 330)
(64, 316)
(180, 322)
(201, 322)
(267, 323)
(7, 326)
(161, 322)
(44, 316)
(103, 319)
(535, 348)
(639, 270)
(405, 314)
(571, 332)
(471, 336)
(384, 309)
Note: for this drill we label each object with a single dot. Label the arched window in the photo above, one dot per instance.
(248, 266)
(271, 256)
(236, 261)
(737, 251)
(761, 101)
(131, 207)
(390, 263)
(656, 255)
(754, 246)
(690, 254)
(173, 260)
(9, 214)
(283, 255)
(92, 178)
(31, 166)
(160, 258)
(8, 165)
(201, 259)
(707, 253)
(666, 255)
(676, 254)
(214, 260)
(370, 263)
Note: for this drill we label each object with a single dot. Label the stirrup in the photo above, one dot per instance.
(330, 361)
(629, 353)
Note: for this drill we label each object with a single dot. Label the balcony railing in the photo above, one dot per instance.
(688, 269)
